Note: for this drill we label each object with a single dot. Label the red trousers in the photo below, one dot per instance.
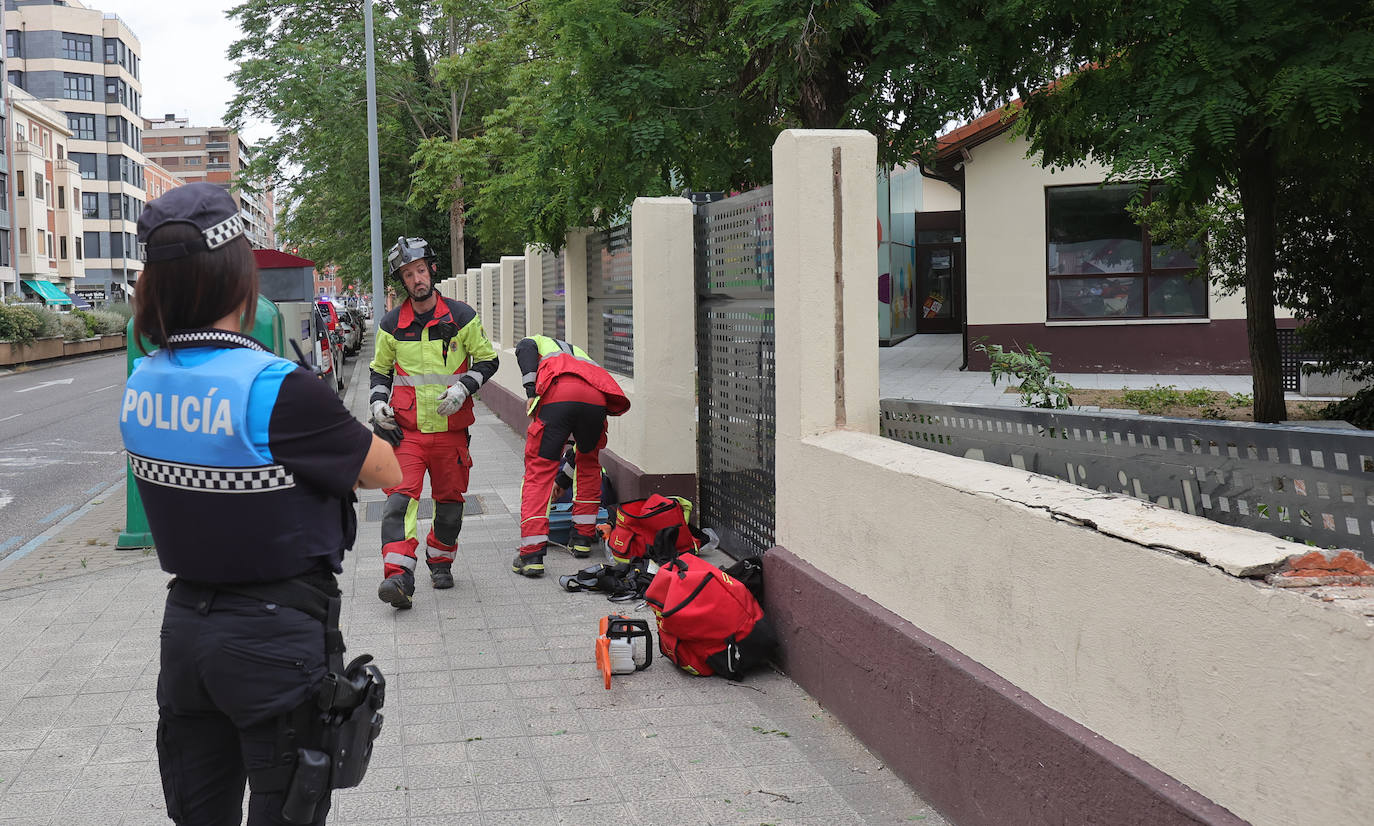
(562, 415)
(445, 457)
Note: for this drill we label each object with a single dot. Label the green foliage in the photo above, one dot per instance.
(70, 326)
(87, 320)
(1215, 97)
(19, 324)
(1037, 386)
(106, 322)
(123, 309)
(301, 68)
(1161, 397)
(1358, 409)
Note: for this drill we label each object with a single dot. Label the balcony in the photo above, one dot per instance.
(28, 148)
(67, 166)
(221, 146)
(221, 167)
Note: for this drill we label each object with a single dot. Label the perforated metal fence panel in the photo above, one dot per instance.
(1291, 357)
(610, 304)
(735, 369)
(1303, 483)
(518, 301)
(555, 296)
(495, 305)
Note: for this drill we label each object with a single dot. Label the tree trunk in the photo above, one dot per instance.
(1258, 192)
(823, 98)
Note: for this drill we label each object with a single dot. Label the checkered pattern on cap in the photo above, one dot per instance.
(211, 479)
(224, 232)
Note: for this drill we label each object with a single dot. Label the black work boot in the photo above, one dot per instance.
(580, 545)
(441, 575)
(530, 565)
(397, 590)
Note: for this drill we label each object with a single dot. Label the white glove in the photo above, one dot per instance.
(383, 415)
(452, 399)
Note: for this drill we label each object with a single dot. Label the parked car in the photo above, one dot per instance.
(350, 336)
(359, 321)
(329, 351)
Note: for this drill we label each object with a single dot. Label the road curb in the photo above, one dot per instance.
(37, 542)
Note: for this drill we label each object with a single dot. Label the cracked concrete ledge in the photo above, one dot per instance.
(1237, 551)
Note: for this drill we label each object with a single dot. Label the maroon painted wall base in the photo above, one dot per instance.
(630, 482)
(973, 745)
(1218, 347)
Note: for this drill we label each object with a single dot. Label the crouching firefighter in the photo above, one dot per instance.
(570, 397)
(247, 466)
(431, 356)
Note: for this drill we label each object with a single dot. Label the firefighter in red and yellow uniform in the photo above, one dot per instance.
(431, 356)
(570, 398)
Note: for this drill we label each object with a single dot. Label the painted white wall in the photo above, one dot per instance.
(938, 196)
(1005, 224)
(1091, 603)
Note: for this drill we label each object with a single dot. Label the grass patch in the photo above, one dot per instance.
(1168, 400)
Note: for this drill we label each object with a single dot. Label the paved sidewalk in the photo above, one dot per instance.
(926, 367)
(495, 712)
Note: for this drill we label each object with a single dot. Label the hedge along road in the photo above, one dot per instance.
(59, 443)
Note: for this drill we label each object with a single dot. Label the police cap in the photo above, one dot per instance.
(204, 206)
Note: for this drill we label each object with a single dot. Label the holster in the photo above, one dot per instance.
(329, 737)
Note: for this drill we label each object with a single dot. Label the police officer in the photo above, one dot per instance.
(570, 398)
(431, 356)
(246, 464)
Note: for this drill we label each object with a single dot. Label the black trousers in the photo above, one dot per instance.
(232, 666)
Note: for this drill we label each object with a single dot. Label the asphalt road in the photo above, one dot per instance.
(59, 443)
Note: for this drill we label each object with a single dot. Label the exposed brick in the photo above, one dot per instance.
(1318, 564)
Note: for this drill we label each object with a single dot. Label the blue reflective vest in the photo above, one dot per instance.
(221, 510)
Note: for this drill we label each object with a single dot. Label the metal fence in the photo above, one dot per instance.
(1291, 357)
(1307, 484)
(495, 304)
(735, 370)
(555, 295)
(518, 302)
(610, 305)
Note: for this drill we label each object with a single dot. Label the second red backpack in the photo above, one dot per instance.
(708, 621)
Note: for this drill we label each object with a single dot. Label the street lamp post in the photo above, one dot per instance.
(373, 175)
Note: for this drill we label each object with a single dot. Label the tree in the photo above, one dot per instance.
(611, 99)
(301, 68)
(1212, 95)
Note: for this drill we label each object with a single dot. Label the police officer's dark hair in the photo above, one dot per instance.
(196, 290)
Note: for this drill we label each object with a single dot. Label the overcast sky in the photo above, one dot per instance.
(184, 46)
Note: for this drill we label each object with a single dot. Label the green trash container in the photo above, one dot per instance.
(267, 329)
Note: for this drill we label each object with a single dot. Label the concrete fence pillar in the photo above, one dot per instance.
(826, 252)
(534, 290)
(506, 312)
(471, 293)
(659, 433)
(575, 286)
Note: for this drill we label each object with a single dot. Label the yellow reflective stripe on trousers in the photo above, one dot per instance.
(412, 518)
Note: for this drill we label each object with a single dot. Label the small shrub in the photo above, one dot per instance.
(1153, 400)
(108, 323)
(1358, 409)
(123, 309)
(19, 324)
(1200, 397)
(72, 327)
(52, 324)
(88, 320)
(1242, 400)
(1038, 387)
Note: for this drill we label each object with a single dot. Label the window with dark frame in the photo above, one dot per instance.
(78, 87)
(62, 247)
(82, 126)
(1101, 263)
(90, 205)
(76, 242)
(14, 44)
(77, 47)
(4, 191)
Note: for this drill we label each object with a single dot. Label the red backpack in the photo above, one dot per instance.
(708, 621)
(639, 522)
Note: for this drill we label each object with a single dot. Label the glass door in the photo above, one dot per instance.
(937, 282)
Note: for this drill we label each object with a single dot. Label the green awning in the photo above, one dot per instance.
(48, 291)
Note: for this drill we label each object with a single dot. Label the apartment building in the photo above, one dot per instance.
(85, 63)
(157, 180)
(213, 154)
(47, 226)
